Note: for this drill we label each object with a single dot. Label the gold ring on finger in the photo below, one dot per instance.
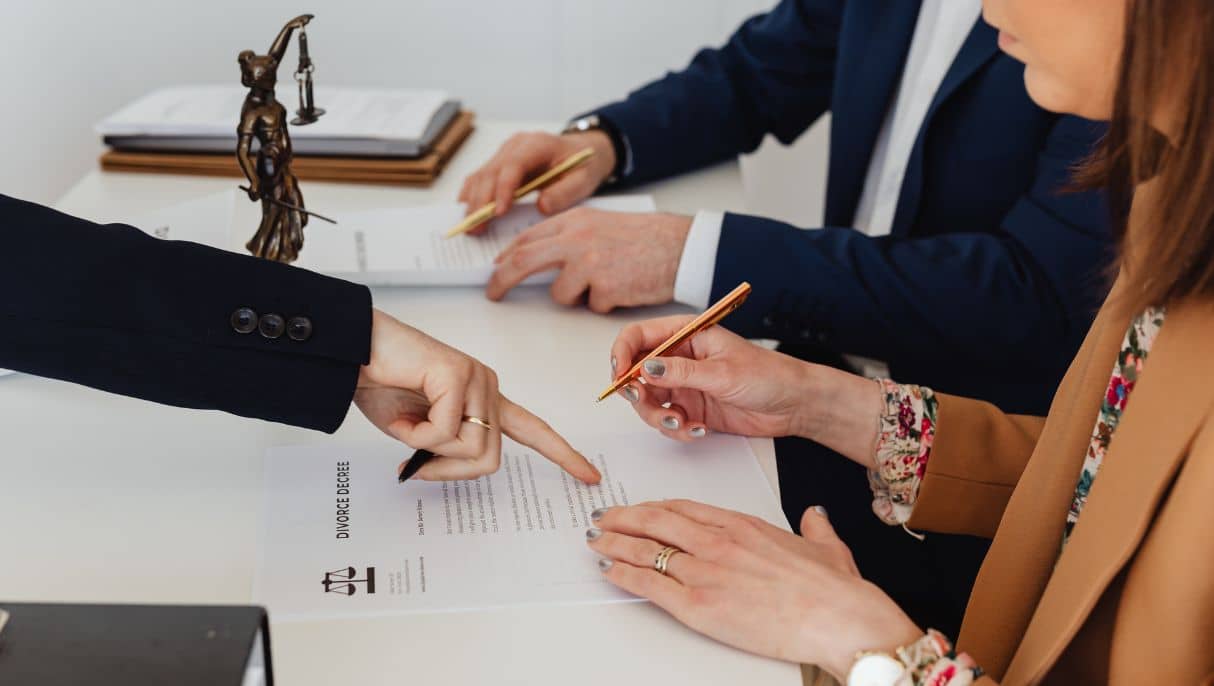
(662, 561)
(479, 422)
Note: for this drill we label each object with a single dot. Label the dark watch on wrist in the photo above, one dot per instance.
(593, 122)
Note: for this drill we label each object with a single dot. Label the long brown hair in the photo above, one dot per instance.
(1167, 64)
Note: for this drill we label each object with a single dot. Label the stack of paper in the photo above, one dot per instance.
(365, 122)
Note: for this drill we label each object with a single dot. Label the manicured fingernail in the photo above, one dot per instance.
(655, 368)
(605, 564)
(697, 432)
(598, 514)
(593, 534)
(821, 510)
(671, 423)
(632, 394)
(613, 365)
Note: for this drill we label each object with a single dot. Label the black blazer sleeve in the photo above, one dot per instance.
(113, 308)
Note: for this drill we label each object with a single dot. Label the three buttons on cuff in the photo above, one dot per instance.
(272, 326)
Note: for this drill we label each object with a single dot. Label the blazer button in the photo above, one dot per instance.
(244, 320)
(299, 329)
(272, 326)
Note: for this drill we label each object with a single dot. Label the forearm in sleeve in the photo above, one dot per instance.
(112, 308)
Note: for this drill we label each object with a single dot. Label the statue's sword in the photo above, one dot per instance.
(289, 206)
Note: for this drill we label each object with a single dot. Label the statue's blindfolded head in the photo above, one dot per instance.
(259, 71)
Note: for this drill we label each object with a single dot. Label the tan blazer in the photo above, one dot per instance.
(1131, 600)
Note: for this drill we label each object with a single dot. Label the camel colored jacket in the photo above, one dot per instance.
(1131, 599)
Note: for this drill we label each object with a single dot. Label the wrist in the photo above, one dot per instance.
(607, 160)
(366, 373)
(891, 640)
(840, 411)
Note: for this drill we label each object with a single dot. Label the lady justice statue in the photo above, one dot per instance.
(283, 216)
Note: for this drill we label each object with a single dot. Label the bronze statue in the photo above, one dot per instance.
(283, 216)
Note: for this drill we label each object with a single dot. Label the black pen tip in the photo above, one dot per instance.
(414, 465)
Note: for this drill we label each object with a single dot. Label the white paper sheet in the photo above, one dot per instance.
(207, 220)
(407, 246)
(387, 247)
(340, 537)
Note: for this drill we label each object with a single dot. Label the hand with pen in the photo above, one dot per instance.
(527, 155)
(719, 381)
(433, 397)
(606, 259)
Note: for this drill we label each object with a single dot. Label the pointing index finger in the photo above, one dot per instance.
(533, 432)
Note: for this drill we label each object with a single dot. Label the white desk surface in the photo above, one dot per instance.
(108, 499)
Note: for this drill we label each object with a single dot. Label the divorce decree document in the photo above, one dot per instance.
(341, 538)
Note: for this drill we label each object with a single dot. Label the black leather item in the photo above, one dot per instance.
(244, 320)
(272, 326)
(299, 329)
(132, 645)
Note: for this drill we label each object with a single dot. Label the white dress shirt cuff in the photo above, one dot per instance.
(693, 282)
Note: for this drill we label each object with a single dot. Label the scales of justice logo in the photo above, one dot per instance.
(345, 581)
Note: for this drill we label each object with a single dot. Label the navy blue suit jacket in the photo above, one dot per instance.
(991, 275)
(113, 308)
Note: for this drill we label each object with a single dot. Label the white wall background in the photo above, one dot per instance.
(64, 64)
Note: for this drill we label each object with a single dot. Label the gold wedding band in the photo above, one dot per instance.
(479, 422)
(662, 561)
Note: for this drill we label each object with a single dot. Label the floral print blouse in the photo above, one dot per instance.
(908, 427)
(904, 446)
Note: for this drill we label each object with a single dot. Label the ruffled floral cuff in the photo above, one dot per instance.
(904, 444)
(929, 661)
(932, 661)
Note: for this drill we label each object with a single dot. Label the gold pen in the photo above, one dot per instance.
(711, 316)
(485, 213)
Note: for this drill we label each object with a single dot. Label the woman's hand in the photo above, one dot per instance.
(418, 390)
(719, 381)
(749, 584)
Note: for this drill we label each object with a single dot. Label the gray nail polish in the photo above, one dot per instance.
(632, 394)
(613, 365)
(655, 367)
(671, 423)
(605, 564)
(593, 534)
(698, 432)
(822, 511)
(598, 514)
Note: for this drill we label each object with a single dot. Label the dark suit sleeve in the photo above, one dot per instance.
(113, 308)
(773, 76)
(1008, 295)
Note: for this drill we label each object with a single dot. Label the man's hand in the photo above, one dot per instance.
(527, 155)
(623, 259)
